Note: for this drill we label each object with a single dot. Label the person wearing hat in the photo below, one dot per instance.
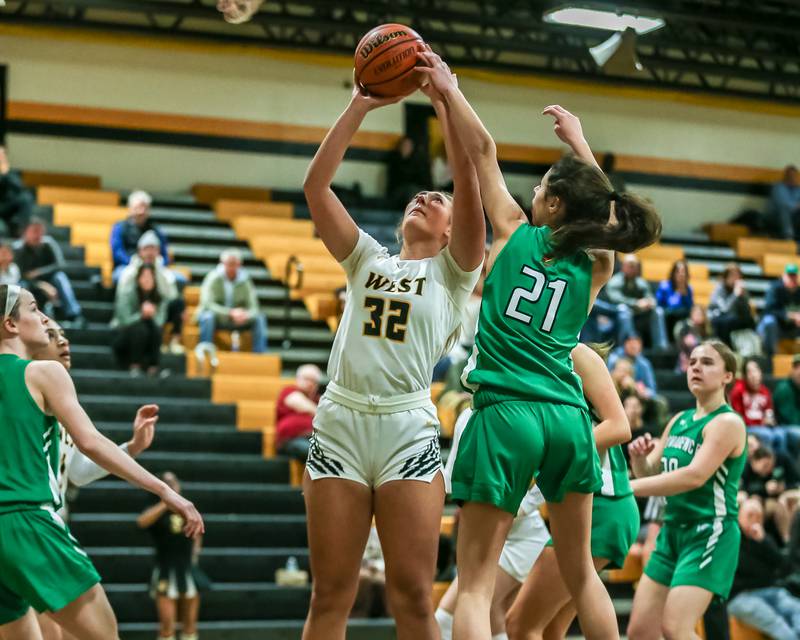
(781, 317)
(148, 252)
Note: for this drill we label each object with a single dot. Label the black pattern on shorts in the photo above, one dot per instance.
(319, 462)
(424, 462)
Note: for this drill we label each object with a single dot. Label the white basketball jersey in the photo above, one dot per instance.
(399, 318)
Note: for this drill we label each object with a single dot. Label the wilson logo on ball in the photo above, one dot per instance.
(378, 40)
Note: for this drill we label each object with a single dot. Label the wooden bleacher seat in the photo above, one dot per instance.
(238, 363)
(255, 415)
(773, 264)
(702, 290)
(741, 631)
(726, 232)
(66, 214)
(439, 589)
(296, 471)
(83, 233)
(222, 337)
(670, 253)
(229, 210)
(312, 263)
(208, 194)
(233, 388)
(56, 195)
(268, 442)
(322, 305)
(447, 525)
(264, 246)
(252, 226)
(318, 283)
(656, 270)
(756, 248)
(192, 296)
(55, 179)
(782, 365)
(631, 571)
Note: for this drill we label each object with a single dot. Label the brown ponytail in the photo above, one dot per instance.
(587, 197)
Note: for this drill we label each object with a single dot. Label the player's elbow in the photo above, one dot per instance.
(622, 430)
(483, 148)
(695, 478)
(88, 443)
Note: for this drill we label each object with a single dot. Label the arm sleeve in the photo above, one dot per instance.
(773, 305)
(252, 299)
(662, 295)
(56, 260)
(83, 471)
(366, 248)
(120, 256)
(459, 283)
(613, 291)
(161, 312)
(207, 301)
(737, 400)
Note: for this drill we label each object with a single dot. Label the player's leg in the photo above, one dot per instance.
(560, 624)
(50, 628)
(570, 525)
(542, 594)
(339, 516)
(482, 531)
(648, 610)
(408, 515)
(23, 628)
(89, 617)
(445, 610)
(167, 610)
(506, 589)
(190, 609)
(683, 609)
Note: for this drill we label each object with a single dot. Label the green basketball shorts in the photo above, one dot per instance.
(698, 554)
(41, 564)
(615, 525)
(509, 442)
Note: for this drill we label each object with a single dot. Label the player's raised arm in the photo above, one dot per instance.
(334, 224)
(468, 234)
(505, 215)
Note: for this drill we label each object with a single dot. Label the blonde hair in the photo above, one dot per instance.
(398, 230)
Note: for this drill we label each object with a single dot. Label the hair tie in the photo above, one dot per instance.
(614, 197)
(12, 295)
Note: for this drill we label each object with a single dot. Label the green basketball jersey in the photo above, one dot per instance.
(29, 455)
(717, 497)
(532, 311)
(614, 468)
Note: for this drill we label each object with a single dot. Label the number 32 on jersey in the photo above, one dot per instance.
(533, 295)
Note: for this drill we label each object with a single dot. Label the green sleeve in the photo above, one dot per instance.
(207, 302)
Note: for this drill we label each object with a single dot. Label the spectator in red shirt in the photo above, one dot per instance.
(751, 399)
(296, 408)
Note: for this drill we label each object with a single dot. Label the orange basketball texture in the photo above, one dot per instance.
(385, 60)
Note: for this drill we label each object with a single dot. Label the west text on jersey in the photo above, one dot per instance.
(381, 283)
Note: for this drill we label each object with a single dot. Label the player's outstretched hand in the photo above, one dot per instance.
(642, 446)
(438, 73)
(193, 521)
(365, 100)
(144, 429)
(567, 126)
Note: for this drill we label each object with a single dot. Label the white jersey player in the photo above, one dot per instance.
(375, 450)
(75, 467)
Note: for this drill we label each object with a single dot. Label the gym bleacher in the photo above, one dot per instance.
(216, 430)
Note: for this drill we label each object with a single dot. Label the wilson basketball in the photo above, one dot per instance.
(385, 60)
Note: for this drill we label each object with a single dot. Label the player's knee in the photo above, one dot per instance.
(675, 627)
(640, 629)
(409, 598)
(332, 595)
(514, 627)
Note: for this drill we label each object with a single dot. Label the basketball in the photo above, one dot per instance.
(385, 60)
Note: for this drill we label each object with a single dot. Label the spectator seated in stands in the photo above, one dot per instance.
(774, 479)
(758, 597)
(295, 411)
(41, 262)
(643, 372)
(148, 252)
(674, 295)
(783, 210)
(632, 304)
(139, 315)
(228, 301)
(729, 306)
(407, 172)
(786, 401)
(16, 202)
(688, 334)
(125, 234)
(752, 400)
(781, 317)
(9, 272)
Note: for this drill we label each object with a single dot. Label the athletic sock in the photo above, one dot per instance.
(188, 636)
(500, 636)
(445, 621)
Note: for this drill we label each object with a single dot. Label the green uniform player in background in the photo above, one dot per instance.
(530, 418)
(697, 465)
(42, 567)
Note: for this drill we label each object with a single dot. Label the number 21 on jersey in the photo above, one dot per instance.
(533, 295)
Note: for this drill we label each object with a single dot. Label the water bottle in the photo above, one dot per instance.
(236, 340)
(291, 564)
